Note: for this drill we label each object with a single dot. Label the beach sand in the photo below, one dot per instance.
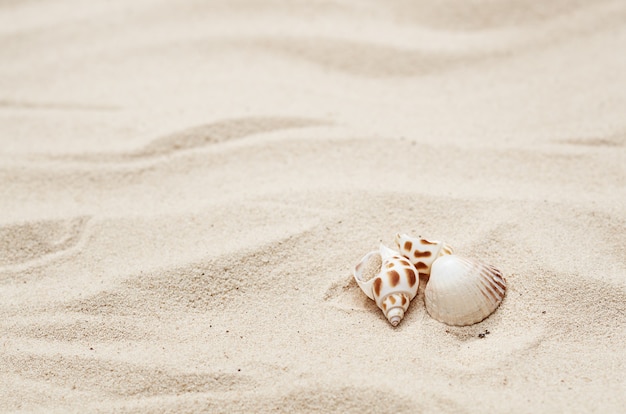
(185, 187)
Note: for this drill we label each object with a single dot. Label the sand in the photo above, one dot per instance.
(186, 185)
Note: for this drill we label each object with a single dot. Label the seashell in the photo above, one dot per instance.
(394, 284)
(421, 252)
(459, 291)
(463, 291)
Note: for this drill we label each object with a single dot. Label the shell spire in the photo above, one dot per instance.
(393, 285)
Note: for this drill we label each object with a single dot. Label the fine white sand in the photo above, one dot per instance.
(186, 185)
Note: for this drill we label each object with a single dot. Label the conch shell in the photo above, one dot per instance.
(393, 287)
(421, 252)
(459, 291)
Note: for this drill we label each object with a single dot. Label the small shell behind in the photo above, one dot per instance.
(421, 252)
(462, 291)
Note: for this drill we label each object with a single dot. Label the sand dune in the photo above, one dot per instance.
(185, 188)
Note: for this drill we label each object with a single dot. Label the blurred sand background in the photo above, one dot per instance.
(186, 185)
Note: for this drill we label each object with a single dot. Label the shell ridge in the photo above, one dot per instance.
(492, 276)
(487, 274)
(488, 291)
(486, 280)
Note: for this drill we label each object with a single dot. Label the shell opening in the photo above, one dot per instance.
(368, 267)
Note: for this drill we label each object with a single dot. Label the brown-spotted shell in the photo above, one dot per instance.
(421, 252)
(393, 286)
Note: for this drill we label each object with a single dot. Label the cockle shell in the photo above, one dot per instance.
(393, 287)
(463, 291)
(459, 291)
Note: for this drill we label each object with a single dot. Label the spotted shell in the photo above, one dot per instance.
(394, 285)
(463, 291)
(421, 252)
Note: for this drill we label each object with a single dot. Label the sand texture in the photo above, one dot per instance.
(186, 185)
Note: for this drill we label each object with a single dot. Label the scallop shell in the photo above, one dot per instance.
(421, 252)
(394, 285)
(463, 291)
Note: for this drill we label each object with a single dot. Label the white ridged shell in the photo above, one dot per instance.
(462, 291)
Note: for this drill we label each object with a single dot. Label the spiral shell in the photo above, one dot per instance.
(393, 287)
(463, 291)
(421, 252)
